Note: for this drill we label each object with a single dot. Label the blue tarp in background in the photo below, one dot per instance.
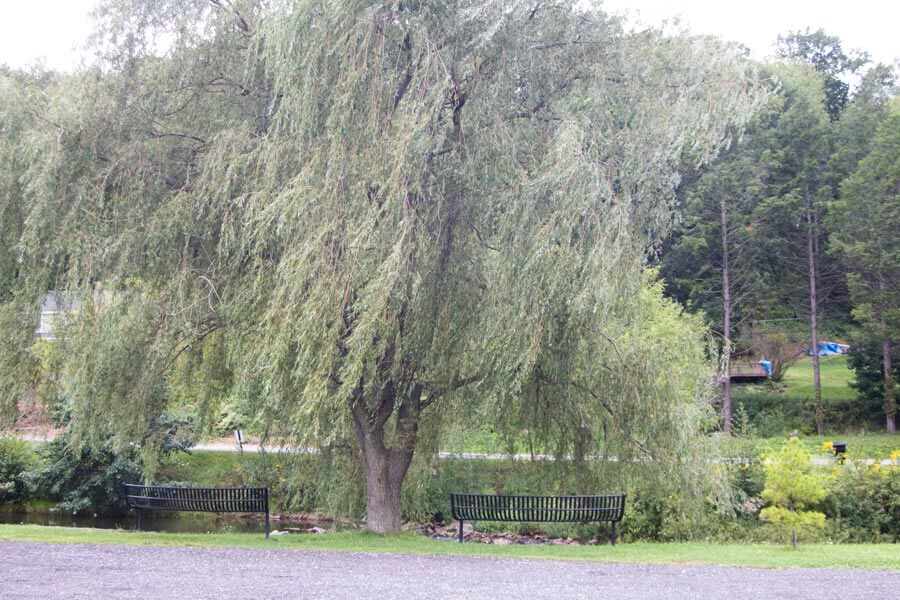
(828, 348)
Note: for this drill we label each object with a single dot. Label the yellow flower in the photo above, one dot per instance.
(895, 455)
(827, 447)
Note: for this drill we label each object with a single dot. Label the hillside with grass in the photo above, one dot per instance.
(774, 409)
(836, 375)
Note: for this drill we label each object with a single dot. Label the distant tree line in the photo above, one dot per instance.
(793, 232)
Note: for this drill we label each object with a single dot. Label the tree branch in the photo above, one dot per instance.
(457, 384)
(241, 22)
(406, 48)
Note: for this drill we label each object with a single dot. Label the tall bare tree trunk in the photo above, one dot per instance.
(888, 364)
(889, 387)
(726, 316)
(811, 247)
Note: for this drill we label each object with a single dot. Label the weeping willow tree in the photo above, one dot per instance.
(372, 219)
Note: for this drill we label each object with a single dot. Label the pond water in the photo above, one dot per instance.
(163, 522)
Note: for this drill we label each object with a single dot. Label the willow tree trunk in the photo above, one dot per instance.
(385, 471)
(386, 462)
(811, 247)
(726, 316)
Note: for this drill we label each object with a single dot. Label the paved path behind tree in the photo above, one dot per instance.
(228, 445)
(36, 570)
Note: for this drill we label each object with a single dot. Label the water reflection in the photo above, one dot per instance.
(162, 522)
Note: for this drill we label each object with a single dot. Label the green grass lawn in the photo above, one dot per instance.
(776, 409)
(835, 378)
(867, 556)
(483, 441)
(868, 446)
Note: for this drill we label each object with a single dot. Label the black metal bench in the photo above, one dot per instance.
(540, 509)
(237, 500)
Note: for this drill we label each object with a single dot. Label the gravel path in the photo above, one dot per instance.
(36, 570)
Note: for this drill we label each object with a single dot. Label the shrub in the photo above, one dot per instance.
(865, 500)
(83, 479)
(791, 488)
(17, 460)
(781, 348)
(770, 413)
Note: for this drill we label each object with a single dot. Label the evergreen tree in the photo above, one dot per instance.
(791, 490)
(864, 225)
(798, 192)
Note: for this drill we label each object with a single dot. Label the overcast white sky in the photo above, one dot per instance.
(50, 30)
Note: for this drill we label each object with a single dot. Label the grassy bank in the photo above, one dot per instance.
(868, 556)
(771, 409)
(859, 446)
(836, 377)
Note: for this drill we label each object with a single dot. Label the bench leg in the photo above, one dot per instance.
(267, 525)
(460, 536)
(138, 519)
(613, 538)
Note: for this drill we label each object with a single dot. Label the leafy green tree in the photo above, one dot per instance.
(22, 95)
(792, 488)
(826, 55)
(90, 478)
(864, 225)
(775, 185)
(390, 215)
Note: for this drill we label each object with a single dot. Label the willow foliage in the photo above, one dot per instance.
(371, 218)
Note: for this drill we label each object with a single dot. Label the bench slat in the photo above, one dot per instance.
(520, 509)
(190, 501)
(237, 500)
(607, 508)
